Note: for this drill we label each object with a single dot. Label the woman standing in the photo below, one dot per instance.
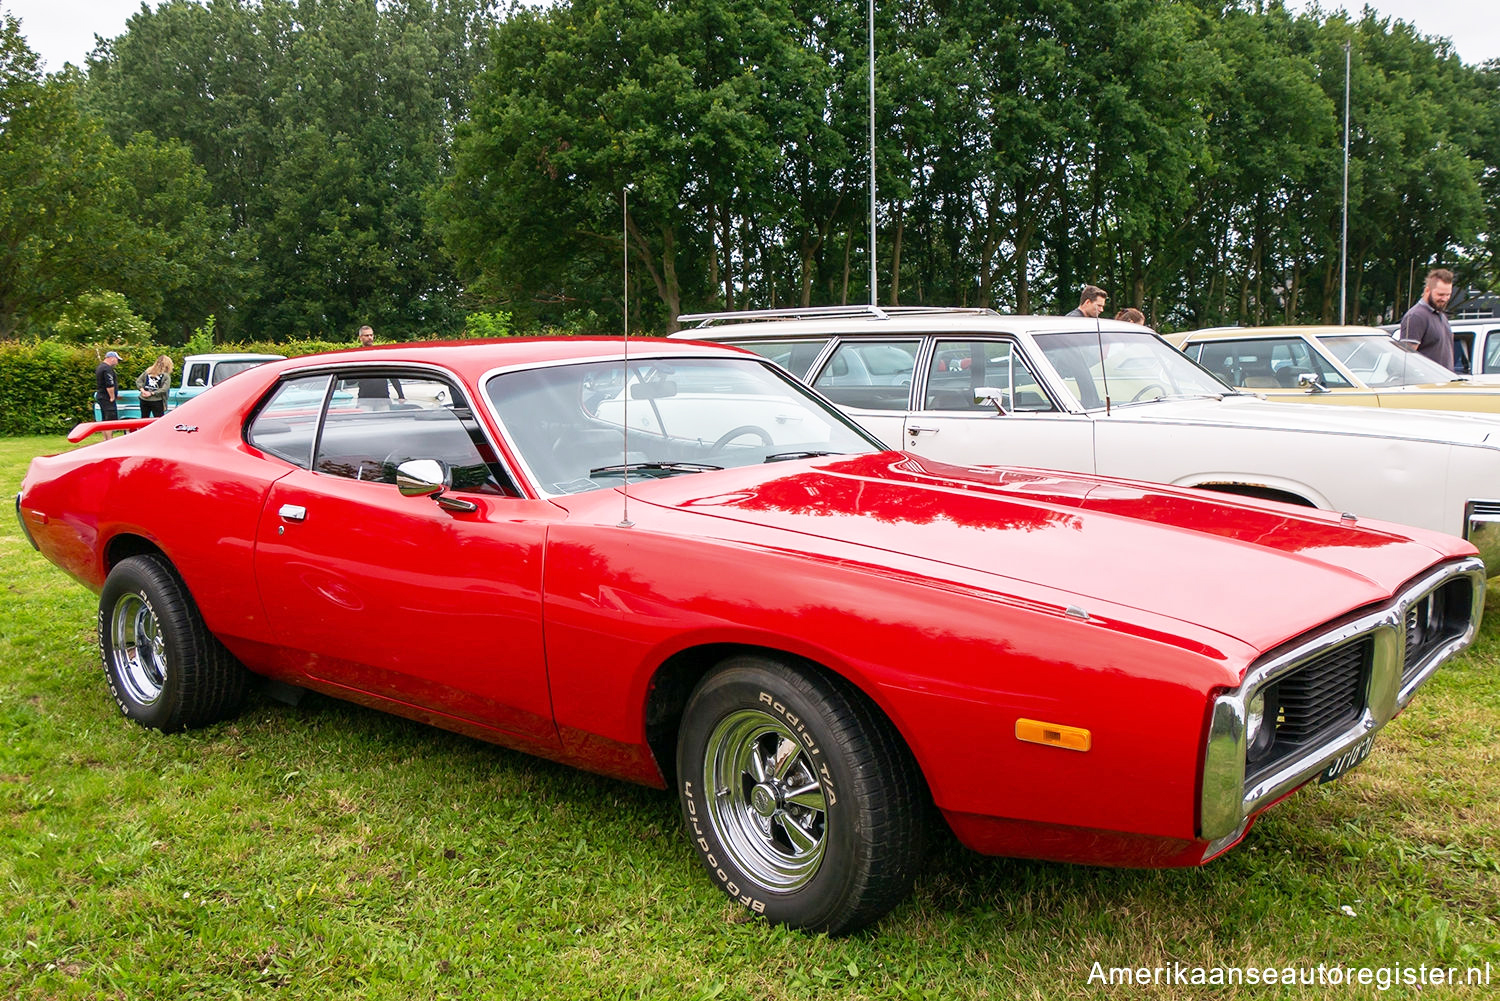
(154, 384)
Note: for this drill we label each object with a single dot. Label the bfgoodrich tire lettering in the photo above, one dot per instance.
(799, 796)
(164, 668)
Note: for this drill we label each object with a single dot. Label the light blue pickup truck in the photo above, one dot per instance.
(198, 373)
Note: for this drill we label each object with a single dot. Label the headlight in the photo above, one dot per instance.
(1258, 736)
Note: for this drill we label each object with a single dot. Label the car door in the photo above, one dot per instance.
(870, 379)
(398, 597)
(1034, 430)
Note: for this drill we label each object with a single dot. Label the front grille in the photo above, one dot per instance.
(1322, 696)
(1438, 617)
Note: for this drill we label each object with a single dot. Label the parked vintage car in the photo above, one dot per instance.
(198, 373)
(1362, 366)
(1114, 398)
(683, 568)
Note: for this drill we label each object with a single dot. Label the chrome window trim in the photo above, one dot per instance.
(1225, 800)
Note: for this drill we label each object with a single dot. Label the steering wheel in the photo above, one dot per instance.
(1158, 389)
(733, 433)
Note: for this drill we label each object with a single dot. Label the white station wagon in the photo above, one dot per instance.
(974, 387)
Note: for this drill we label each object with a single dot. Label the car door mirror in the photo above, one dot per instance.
(1312, 382)
(993, 396)
(429, 478)
(421, 478)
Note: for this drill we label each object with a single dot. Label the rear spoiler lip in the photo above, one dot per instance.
(82, 431)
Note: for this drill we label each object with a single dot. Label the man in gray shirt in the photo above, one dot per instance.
(1425, 325)
(1090, 302)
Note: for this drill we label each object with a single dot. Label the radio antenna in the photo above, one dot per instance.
(625, 521)
(1103, 370)
(874, 297)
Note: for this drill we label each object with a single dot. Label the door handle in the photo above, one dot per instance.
(919, 429)
(293, 512)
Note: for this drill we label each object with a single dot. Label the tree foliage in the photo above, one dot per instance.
(320, 125)
(298, 167)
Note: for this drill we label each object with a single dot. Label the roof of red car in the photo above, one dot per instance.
(473, 358)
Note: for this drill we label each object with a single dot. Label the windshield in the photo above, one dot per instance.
(1125, 367)
(1379, 361)
(683, 415)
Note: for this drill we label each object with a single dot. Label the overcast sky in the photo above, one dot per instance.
(63, 30)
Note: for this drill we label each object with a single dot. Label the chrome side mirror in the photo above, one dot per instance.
(993, 396)
(1312, 382)
(429, 478)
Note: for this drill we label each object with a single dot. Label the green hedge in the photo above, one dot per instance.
(47, 387)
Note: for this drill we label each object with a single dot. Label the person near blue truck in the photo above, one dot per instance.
(154, 384)
(199, 372)
(107, 388)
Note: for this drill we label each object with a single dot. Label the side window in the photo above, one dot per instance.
(1268, 363)
(378, 420)
(1492, 351)
(288, 422)
(958, 368)
(197, 374)
(1463, 351)
(796, 356)
(870, 375)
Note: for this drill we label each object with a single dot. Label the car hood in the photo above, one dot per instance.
(1259, 572)
(1244, 410)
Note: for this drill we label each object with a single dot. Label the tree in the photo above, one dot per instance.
(320, 125)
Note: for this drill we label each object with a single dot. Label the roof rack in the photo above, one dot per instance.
(827, 313)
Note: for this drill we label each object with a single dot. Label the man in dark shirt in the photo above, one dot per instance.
(1425, 326)
(106, 388)
(1090, 302)
(375, 393)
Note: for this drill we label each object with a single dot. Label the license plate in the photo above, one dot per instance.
(1341, 764)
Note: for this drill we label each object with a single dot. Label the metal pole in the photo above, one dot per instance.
(1344, 236)
(873, 296)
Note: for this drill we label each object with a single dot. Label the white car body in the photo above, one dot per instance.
(1431, 469)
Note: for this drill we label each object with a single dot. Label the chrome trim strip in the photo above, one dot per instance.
(1225, 800)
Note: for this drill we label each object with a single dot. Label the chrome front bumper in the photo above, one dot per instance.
(1228, 800)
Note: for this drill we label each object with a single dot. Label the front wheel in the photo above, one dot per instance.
(165, 669)
(800, 797)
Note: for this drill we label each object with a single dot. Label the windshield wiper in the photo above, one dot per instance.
(671, 467)
(804, 453)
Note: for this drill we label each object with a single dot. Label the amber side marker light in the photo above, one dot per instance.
(1034, 731)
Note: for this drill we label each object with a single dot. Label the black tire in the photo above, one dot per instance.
(833, 836)
(165, 669)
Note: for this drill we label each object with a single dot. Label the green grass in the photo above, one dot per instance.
(327, 851)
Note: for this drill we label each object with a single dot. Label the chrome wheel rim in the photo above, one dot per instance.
(138, 649)
(765, 799)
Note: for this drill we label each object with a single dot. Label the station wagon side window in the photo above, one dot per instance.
(869, 374)
(1267, 363)
(1463, 352)
(1492, 351)
(796, 355)
(958, 368)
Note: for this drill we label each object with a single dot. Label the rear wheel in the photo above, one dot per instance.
(165, 669)
(800, 797)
